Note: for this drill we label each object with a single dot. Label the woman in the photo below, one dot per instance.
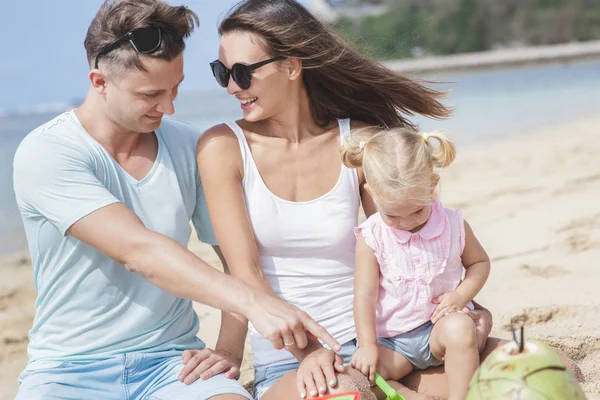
(283, 207)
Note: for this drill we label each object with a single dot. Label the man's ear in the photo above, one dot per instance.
(98, 80)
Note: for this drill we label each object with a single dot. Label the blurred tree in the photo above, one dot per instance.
(414, 27)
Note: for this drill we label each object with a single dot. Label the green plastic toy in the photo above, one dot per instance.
(389, 391)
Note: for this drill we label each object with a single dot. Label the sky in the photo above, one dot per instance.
(42, 59)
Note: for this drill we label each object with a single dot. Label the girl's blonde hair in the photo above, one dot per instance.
(398, 161)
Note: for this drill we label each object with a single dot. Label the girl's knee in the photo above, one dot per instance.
(458, 329)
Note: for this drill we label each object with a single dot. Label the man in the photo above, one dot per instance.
(106, 193)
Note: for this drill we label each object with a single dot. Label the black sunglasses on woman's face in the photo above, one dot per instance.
(242, 74)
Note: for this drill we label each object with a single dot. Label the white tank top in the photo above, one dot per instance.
(306, 249)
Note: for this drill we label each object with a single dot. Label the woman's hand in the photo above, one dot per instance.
(317, 373)
(285, 325)
(366, 360)
(483, 325)
(207, 363)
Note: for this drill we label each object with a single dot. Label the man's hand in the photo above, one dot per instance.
(206, 363)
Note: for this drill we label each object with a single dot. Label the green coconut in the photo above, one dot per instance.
(535, 373)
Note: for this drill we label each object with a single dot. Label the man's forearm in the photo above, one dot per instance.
(170, 266)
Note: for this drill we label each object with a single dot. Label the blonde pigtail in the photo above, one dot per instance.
(445, 153)
(352, 153)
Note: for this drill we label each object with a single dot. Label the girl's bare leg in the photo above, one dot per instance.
(453, 340)
(394, 366)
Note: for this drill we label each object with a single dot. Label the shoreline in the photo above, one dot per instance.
(497, 59)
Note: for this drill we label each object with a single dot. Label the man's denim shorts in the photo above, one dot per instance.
(139, 376)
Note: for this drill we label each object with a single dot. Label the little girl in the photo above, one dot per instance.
(409, 263)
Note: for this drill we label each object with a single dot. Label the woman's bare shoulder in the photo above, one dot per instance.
(219, 145)
(218, 136)
(217, 131)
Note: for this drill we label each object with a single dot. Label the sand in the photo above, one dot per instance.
(533, 202)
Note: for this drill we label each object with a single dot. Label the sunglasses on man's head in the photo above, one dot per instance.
(144, 41)
(241, 74)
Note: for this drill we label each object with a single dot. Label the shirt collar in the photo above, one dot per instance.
(432, 228)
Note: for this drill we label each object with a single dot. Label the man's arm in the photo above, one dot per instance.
(117, 232)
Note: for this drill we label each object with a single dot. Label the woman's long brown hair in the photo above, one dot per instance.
(341, 83)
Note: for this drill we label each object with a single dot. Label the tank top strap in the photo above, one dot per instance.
(344, 129)
(239, 133)
(247, 161)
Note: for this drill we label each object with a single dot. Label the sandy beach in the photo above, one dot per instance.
(533, 202)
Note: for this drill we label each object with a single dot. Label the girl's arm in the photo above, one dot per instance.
(477, 265)
(366, 292)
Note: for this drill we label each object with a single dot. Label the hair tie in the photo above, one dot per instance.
(361, 145)
(425, 136)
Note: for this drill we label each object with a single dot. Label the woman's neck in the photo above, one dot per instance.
(295, 122)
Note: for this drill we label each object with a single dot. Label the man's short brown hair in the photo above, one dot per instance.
(117, 17)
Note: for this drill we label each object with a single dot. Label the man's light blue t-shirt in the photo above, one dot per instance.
(89, 307)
